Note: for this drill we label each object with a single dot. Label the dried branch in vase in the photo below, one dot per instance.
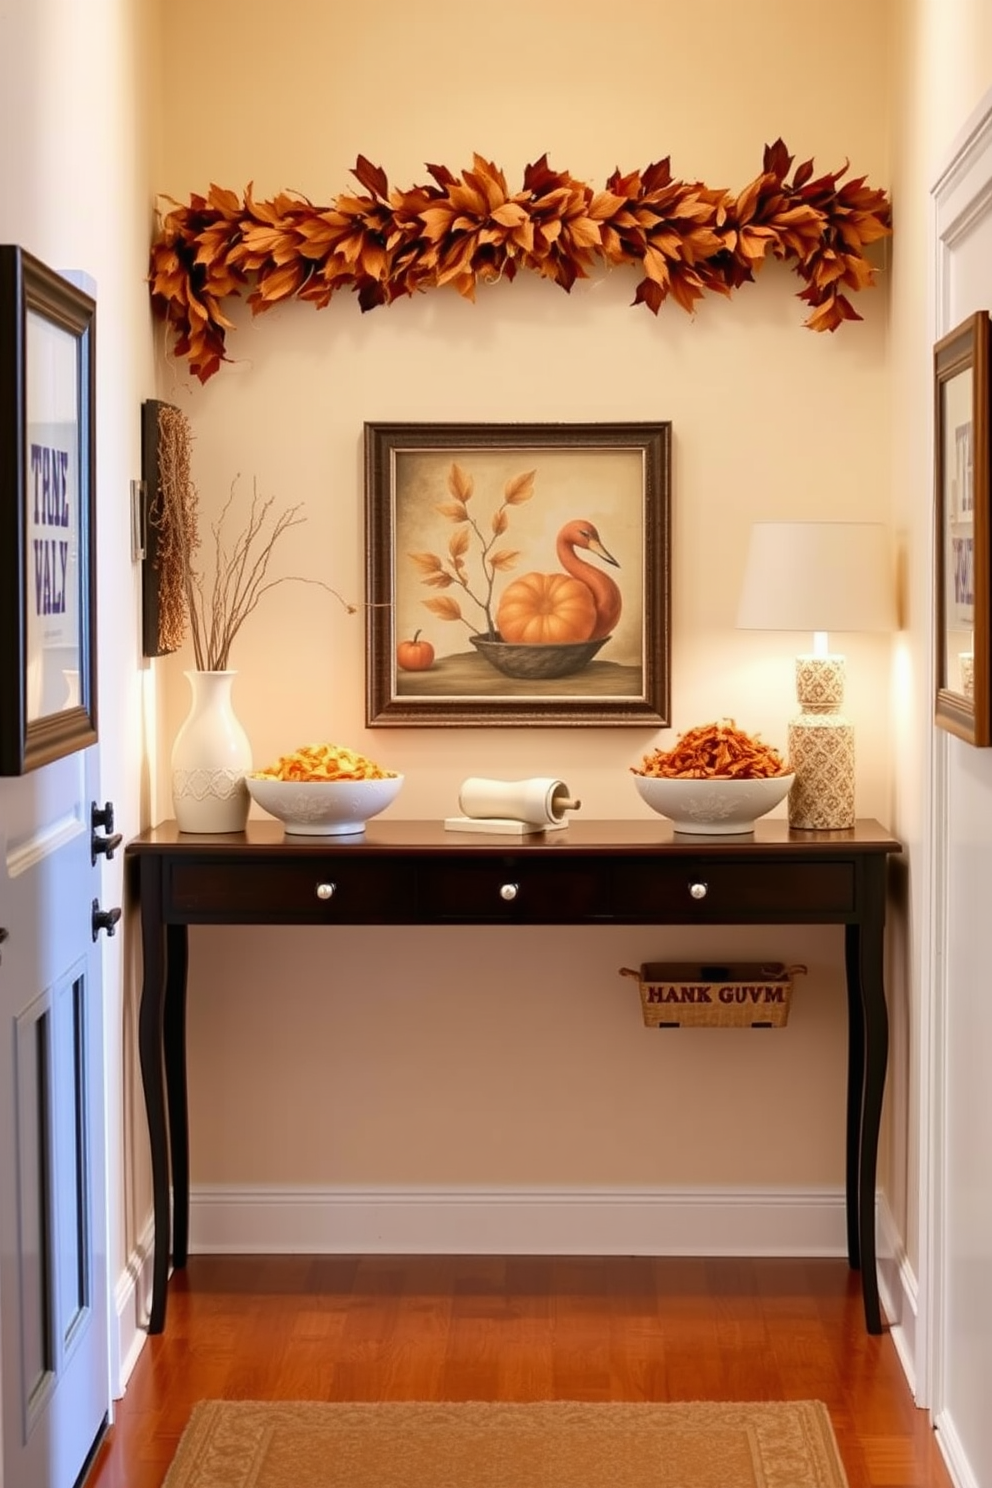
(211, 612)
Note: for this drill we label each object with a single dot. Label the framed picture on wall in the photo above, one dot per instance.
(961, 546)
(47, 515)
(517, 574)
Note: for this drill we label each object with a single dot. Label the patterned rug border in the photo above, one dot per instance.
(237, 1444)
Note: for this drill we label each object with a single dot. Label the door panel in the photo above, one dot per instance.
(33, 1185)
(53, 1265)
(70, 1152)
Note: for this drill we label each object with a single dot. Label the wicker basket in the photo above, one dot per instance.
(700, 995)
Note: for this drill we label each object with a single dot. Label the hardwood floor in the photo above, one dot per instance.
(521, 1328)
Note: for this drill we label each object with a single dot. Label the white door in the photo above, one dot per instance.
(960, 1203)
(54, 1374)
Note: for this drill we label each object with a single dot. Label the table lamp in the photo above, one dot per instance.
(819, 576)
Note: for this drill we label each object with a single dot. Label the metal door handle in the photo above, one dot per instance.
(104, 818)
(108, 845)
(103, 919)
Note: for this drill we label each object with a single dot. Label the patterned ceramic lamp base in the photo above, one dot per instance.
(821, 748)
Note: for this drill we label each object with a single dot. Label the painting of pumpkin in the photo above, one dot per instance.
(546, 609)
(529, 587)
(415, 655)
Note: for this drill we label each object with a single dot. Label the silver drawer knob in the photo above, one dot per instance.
(509, 891)
(325, 890)
(698, 890)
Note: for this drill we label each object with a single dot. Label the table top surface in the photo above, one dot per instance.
(579, 837)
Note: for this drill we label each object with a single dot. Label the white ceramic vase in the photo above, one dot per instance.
(210, 759)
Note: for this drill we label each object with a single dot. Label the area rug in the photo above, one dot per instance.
(552, 1444)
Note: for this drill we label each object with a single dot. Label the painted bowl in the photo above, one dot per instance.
(324, 808)
(713, 806)
(540, 663)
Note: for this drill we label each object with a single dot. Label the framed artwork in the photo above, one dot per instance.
(962, 539)
(517, 574)
(47, 515)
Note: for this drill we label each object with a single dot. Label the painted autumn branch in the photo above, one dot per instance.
(441, 573)
(686, 239)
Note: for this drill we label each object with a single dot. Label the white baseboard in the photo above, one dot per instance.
(734, 1222)
(953, 1453)
(132, 1301)
(898, 1292)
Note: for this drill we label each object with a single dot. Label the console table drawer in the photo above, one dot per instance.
(315, 890)
(515, 892)
(735, 892)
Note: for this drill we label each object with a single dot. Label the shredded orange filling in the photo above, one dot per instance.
(324, 762)
(715, 751)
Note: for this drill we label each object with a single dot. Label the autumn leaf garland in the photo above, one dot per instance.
(686, 239)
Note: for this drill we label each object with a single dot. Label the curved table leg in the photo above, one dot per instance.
(150, 1021)
(855, 1088)
(866, 988)
(174, 1042)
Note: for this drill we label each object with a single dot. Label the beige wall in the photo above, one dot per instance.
(485, 1056)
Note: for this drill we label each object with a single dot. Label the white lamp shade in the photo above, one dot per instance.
(818, 576)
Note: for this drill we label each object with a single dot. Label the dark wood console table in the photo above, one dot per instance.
(609, 873)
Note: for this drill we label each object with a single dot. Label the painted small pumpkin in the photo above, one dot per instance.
(415, 655)
(546, 609)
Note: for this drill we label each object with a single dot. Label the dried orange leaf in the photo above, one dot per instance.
(444, 609)
(460, 483)
(520, 488)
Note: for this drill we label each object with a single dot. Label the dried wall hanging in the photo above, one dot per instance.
(686, 239)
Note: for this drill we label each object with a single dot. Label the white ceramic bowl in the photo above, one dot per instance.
(714, 806)
(324, 808)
